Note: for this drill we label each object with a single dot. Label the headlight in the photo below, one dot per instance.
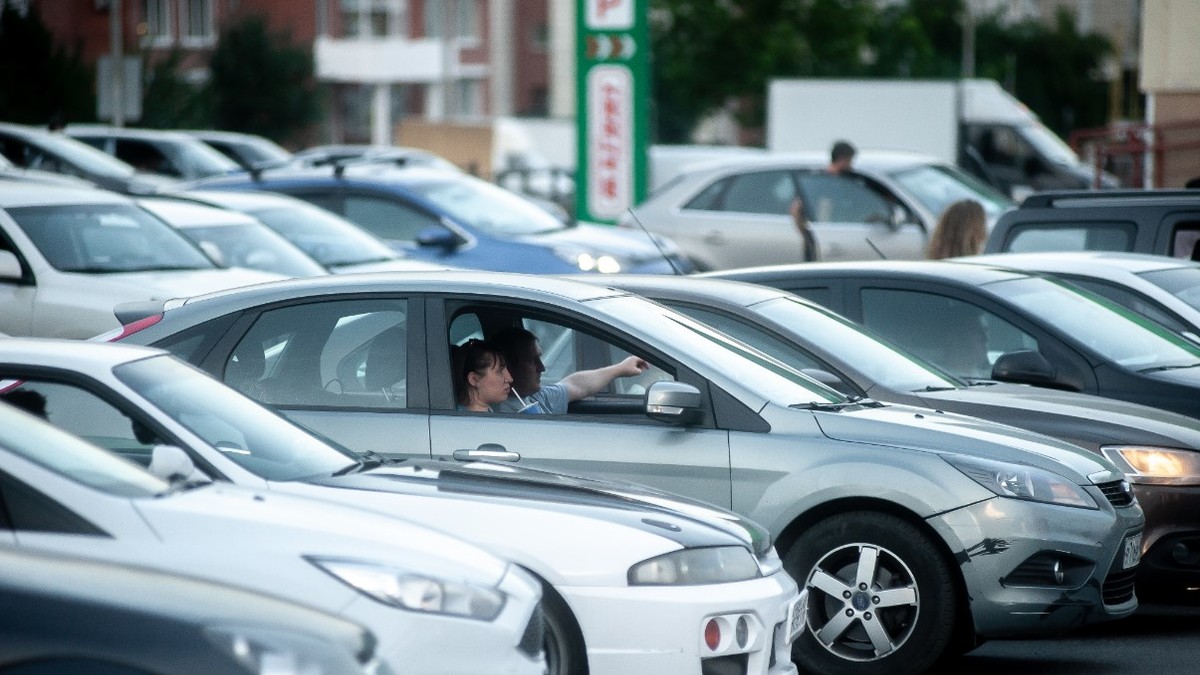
(275, 652)
(1019, 481)
(1155, 466)
(692, 566)
(590, 262)
(416, 592)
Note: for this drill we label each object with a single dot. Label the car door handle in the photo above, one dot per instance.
(492, 452)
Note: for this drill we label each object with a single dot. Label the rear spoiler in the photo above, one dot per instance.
(130, 312)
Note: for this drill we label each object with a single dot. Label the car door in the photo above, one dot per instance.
(16, 295)
(343, 367)
(742, 220)
(389, 217)
(607, 435)
(853, 218)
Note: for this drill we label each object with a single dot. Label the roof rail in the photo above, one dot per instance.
(1043, 200)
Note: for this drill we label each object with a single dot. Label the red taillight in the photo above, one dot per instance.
(140, 324)
(712, 634)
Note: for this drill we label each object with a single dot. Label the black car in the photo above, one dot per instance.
(992, 323)
(1162, 222)
(1159, 450)
(68, 616)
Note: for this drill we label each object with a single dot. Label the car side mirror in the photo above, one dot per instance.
(674, 403)
(10, 267)
(438, 237)
(1025, 367)
(899, 216)
(172, 464)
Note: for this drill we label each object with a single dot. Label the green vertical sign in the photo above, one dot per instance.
(612, 106)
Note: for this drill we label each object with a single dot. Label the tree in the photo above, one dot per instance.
(171, 102)
(38, 78)
(260, 83)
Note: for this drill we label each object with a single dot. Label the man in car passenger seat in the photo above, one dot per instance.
(524, 358)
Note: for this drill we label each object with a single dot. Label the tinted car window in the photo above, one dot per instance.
(1130, 299)
(769, 192)
(1187, 235)
(1083, 237)
(1183, 283)
(145, 157)
(388, 219)
(329, 239)
(961, 337)
(709, 197)
(830, 198)
(350, 353)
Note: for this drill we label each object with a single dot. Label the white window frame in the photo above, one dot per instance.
(159, 24)
(207, 36)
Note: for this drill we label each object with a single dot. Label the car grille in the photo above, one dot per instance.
(1118, 587)
(533, 641)
(1117, 492)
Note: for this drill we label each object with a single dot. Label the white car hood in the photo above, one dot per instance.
(250, 519)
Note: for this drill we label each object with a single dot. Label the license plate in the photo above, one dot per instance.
(1133, 552)
(797, 615)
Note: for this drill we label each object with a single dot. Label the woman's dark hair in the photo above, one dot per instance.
(472, 356)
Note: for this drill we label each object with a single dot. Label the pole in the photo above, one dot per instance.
(117, 49)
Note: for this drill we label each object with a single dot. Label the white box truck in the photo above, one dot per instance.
(973, 123)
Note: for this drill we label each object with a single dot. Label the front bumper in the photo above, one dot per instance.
(660, 629)
(1170, 569)
(432, 644)
(1007, 550)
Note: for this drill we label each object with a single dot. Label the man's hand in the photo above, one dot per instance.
(631, 366)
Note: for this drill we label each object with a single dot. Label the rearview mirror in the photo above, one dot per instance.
(673, 402)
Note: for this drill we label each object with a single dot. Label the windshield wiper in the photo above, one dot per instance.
(931, 387)
(183, 486)
(369, 460)
(835, 405)
(1159, 369)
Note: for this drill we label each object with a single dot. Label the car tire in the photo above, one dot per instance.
(913, 626)
(565, 651)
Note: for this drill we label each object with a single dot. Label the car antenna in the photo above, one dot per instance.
(674, 267)
(875, 248)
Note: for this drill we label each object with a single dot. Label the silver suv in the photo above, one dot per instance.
(917, 533)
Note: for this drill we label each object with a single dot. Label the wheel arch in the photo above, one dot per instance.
(552, 599)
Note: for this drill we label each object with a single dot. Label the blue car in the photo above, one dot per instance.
(458, 220)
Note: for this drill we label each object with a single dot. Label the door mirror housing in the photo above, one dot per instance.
(10, 267)
(1025, 367)
(674, 403)
(172, 464)
(439, 237)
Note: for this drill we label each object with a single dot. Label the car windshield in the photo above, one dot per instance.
(882, 363)
(706, 348)
(107, 238)
(937, 186)
(250, 435)
(1108, 329)
(85, 156)
(492, 209)
(256, 247)
(1048, 143)
(72, 457)
(1182, 282)
(325, 237)
(201, 159)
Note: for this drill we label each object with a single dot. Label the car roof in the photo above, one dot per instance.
(942, 270)
(182, 213)
(17, 194)
(240, 199)
(79, 355)
(1093, 263)
(128, 132)
(1108, 198)
(384, 175)
(735, 292)
(869, 160)
(494, 284)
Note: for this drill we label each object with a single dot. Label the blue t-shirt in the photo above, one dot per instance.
(550, 399)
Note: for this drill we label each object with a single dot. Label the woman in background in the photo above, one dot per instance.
(961, 230)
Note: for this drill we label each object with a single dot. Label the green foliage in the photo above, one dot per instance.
(171, 102)
(39, 79)
(261, 84)
(706, 54)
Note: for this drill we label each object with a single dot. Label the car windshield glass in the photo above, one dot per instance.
(256, 247)
(329, 239)
(203, 160)
(492, 209)
(1049, 144)
(704, 348)
(84, 156)
(884, 364)
(937, 186)
(1182, 282)
(248, 434)
(107, 238)
(73, 457)
(1116, 333)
